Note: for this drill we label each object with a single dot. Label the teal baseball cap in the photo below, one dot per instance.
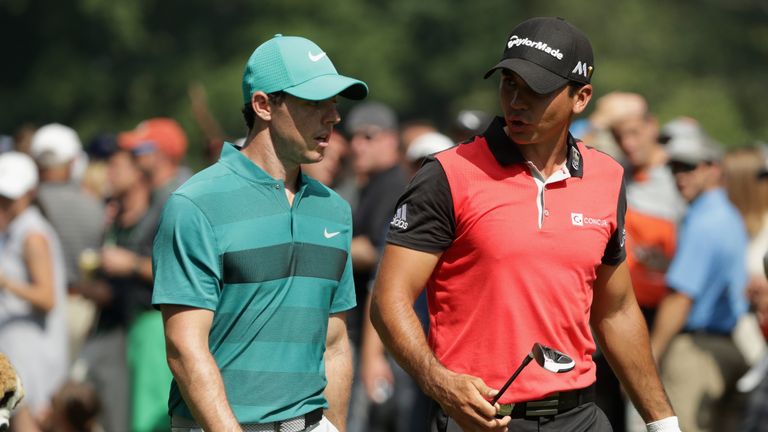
(298, 67)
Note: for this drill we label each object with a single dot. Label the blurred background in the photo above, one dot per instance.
(104, 65)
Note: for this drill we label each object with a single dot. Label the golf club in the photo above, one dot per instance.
(548, 358)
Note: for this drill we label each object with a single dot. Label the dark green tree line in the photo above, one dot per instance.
(103, 65)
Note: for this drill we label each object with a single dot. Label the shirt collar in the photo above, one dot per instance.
(235, 160)
(506, 151)
(242, 166)
(708, 198)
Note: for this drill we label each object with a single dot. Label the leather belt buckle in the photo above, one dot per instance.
(545, 407)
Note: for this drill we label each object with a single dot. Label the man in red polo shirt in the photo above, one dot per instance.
(518, 236)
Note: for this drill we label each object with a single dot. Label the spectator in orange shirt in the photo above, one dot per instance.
(653, 208)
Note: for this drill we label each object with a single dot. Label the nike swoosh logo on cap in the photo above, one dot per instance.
(315, 57)
(330, 234)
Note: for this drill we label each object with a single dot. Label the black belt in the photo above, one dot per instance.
(313, 417)
(556, 403)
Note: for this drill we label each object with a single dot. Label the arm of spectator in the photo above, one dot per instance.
(364, 254)
(40, 292)
(121, 262)
(374, 366)
(622, 333)
(143, 268)
(97, 290)
(194, 368)
(403, 274)
(670, 319)
(338, 371)
(757, 293)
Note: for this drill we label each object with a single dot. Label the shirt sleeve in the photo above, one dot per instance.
(424, 218)
(185, 259)
(615, 253)
(344, 297)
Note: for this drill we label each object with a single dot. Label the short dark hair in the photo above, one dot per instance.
(275, 98)
(574, 87)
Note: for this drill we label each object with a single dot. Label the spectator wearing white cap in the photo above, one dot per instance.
(693, 333)
(77, 217)
(384, 380)
(32, 290)
(654, 207)
(424, 146)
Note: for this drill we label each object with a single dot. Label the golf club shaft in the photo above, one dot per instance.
(520, 368)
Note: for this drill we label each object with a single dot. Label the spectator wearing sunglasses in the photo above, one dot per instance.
(654, 207)
(692, 333)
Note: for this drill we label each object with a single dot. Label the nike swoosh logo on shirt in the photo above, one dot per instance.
(330, 234)
(315, 57)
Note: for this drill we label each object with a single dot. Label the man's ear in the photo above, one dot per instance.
(261, 106)
(581, 98)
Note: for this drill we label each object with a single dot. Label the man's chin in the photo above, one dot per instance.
(313, 157)
(519, 136)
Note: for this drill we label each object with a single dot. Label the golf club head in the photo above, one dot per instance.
(552, 359)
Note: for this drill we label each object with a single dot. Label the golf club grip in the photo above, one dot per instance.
(520, 368)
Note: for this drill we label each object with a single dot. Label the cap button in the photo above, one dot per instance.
(278, 35)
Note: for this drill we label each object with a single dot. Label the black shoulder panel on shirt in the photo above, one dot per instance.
(615, 251)
(424, 219)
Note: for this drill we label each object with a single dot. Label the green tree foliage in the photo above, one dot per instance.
(104, 65)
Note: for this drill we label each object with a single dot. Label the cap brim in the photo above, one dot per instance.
(128, 140)
(685, 158)
(10, 193)
(328, 86)
(539, 79)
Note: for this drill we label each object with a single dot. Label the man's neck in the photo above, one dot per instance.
(548, 156)
(133, 205)
(55, 175)
(261, 151)
(709, 187)
(164, 174)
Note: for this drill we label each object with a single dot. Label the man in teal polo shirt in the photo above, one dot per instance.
(252, 267)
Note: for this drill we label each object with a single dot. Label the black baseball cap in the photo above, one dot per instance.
(547, 52)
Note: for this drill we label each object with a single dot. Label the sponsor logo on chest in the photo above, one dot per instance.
(578, 219)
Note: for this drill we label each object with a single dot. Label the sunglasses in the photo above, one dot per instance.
(678, 167)
(368, 133)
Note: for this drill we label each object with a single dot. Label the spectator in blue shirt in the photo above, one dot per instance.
(692, 334)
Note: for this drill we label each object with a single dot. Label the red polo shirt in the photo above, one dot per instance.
(519, 257)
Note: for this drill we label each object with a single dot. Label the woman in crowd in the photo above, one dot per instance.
(32, 291)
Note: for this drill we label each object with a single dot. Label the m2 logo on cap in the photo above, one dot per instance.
(514, 41)
(582, 69)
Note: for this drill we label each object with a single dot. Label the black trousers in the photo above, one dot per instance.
(583, 418)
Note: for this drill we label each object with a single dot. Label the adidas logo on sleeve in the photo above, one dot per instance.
(400, 219)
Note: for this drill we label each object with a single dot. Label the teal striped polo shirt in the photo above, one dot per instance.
(272, 273)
